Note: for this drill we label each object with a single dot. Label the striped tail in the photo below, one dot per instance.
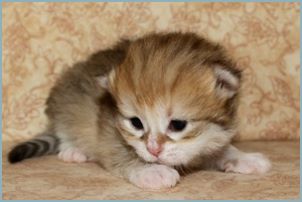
(43, 144)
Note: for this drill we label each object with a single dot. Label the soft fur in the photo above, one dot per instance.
(156, 79)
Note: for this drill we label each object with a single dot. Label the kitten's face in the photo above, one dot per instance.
(172, 107)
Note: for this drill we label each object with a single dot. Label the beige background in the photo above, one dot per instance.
(41, 39)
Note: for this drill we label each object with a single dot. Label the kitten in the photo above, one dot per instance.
(146, 110)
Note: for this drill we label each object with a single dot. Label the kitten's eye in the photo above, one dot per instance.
(136, 123)
(177, 125)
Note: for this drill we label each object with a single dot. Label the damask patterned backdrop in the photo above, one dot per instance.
(42, 39)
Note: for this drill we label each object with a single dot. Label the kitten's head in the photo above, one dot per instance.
(176, 95)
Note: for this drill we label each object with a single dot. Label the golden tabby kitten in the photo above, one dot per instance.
(146, 110)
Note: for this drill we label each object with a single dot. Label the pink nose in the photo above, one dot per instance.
(154, 151)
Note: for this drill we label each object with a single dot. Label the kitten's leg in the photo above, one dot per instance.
(70, 154)
(153, 176)
(234, 160)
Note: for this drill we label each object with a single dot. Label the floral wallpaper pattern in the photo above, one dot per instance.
(42, 39)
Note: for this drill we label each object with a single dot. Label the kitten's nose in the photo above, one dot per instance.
(155, 151)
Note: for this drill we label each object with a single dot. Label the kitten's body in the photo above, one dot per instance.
(125, 108)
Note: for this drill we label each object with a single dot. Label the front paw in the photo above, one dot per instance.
(154, 176)
(248, 164)
(72, 155)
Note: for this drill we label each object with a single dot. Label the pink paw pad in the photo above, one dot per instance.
(72, 155)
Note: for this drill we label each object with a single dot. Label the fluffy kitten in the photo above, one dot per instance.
(146, 110)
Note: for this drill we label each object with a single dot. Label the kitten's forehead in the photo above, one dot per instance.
(183, 96)
(169, 72)
(152, 73)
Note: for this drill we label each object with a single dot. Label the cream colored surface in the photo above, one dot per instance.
(49, 178)
(42, 39)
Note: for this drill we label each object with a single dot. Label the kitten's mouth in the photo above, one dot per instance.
(154, 159)
(159, 160)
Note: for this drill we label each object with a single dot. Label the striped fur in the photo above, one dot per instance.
(157, 79)
(43, 144)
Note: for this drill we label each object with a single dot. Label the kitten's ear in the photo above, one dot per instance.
(227, 81)
(103, 81)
